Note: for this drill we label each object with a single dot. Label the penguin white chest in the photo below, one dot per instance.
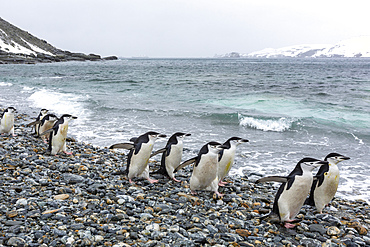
(174, 158)
(291, 201)
(140, 160)
(226, 162)
(7, 123)
(325, 193)
(59, 139)
(204, 174)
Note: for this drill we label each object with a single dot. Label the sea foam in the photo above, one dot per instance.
(60, 103)
(5, 84)
(278, 125)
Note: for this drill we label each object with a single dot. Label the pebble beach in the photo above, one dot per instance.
(84, 200)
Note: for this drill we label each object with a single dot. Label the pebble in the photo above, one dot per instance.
(77, 201)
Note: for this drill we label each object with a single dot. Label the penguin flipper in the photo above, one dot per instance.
(158, 152)
(279, 179)
(33, 123)
(46, 132)
(188, 162)
(127, 146)
(133, 139)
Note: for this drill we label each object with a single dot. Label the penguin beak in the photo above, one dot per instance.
(187, 134)
(344, 158)
(161, 135)
(243, 140)
(73, 117)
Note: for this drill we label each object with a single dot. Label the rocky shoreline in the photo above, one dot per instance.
(61, 56)
(77, 201)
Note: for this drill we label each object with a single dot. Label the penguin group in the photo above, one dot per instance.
(212, 160)
(211, 165)
(300, 184)
(52, 130)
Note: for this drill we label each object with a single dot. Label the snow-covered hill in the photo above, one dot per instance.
(19, 46)
(354, 47)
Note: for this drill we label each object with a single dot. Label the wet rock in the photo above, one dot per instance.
(15, 241)
(317, 228)
(333, 231)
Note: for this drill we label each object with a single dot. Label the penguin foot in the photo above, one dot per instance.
(288, 225)
(152, 180)
(176, 180)
(222, 183)
(131, 182)
(67, 153)
(219, 194)
(193, 192)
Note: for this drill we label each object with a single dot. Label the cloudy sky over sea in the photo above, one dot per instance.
(179, 28)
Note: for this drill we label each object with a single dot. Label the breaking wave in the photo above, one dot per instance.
(277, 125)
(60, 103)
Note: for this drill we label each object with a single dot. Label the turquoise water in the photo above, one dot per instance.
(287, 108)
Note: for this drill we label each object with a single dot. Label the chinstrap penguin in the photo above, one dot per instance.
(326, 182)
(205, 170)
(58, 135)
(7, 121)
(46, 123)
(138, 157)
(172, 154)
(293, 190)
(37, 122)
(226, 157)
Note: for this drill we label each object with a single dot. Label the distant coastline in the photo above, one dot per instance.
(357, 47)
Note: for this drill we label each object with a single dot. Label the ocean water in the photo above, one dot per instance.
(288, 108)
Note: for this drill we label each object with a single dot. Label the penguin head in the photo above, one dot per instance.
(44, 112)
(152, 135)
(335, 158)
(309, 164)
(181, 135)
(214, 147)
(234, 141)
(10, 110)
(67, 117)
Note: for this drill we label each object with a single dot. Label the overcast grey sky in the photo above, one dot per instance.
(186, 28)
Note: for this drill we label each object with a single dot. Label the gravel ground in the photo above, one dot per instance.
(77, 201)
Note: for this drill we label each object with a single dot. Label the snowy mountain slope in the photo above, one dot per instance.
(17, 41)
(19, 46)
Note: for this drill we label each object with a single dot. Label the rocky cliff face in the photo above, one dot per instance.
(19, 46)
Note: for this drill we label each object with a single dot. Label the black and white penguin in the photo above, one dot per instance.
(138, 157)
(293, 191)
(326, 182)
(205, 170)
(58, 135)
(7, 121)
(41, 115)
(172, 154)
(46, 123)
(226, 157)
